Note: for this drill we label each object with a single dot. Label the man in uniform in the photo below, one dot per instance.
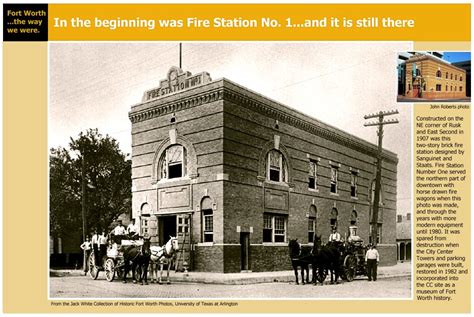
(372, 260)
(95, 248)
(132, 230)
(119, 232)
(335, 236)
(86, 247)
(102, 245)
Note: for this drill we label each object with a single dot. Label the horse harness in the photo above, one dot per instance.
(162, 253)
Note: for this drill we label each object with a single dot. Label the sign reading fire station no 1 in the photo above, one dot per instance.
(176, 80)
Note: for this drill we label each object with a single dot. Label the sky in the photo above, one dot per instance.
(454, 57)
(94, 85)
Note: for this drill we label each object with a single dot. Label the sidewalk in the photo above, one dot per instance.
(398, 270)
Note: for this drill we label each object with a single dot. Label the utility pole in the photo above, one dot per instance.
(375, 207)
(83, 190)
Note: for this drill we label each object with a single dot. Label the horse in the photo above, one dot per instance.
(139, 256)
(326, 258)
(298, 258)
(163, 255)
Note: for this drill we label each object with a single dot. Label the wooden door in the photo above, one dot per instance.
(244, 251)
(183, 230)
(416, 91)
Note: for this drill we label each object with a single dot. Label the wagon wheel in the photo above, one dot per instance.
(110, 270)
(93, 269)
(350, 265)
(321, 274)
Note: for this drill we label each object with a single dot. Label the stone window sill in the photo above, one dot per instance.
(205, 244)
(274, 244)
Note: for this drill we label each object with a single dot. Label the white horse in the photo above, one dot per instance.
(163, 255)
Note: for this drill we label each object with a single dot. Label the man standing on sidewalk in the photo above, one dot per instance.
(86, 248)
(372, 260)
(95, 248)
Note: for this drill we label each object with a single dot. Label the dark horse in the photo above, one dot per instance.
(326, 258)
(298, 258)
(139, 257)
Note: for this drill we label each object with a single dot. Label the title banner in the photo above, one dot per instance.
(112, 22)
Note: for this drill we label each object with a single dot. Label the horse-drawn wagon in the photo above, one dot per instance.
(136, 255)
(341, 259)
(354, 259)
(112, 263)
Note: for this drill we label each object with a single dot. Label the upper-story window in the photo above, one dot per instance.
(451, 75)
(313, 175)
(418, 72)
(173, 162)
(334, 175)
(460, 78)
(456, 77)
(438, 73)
(277, 168)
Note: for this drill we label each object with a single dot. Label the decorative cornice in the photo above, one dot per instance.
(162, 109)
(265, 108)
(312, 128)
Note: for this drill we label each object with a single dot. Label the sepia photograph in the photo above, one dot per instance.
(234, 170)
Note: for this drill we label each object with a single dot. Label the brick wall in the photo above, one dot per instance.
(209, 258)
(388, 254)
(230, 140)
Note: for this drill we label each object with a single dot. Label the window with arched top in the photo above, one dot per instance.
(438, 73)
(207, 220)
(173, 162)
(277, 167)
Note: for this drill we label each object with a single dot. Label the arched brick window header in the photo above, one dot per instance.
(190, 158)
(264, 159)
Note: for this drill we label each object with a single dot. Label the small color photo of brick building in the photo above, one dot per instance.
(430, 76)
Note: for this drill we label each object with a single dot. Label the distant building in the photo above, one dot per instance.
(236, 175)
(404, 237)
(429, 77)
(466, 65)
